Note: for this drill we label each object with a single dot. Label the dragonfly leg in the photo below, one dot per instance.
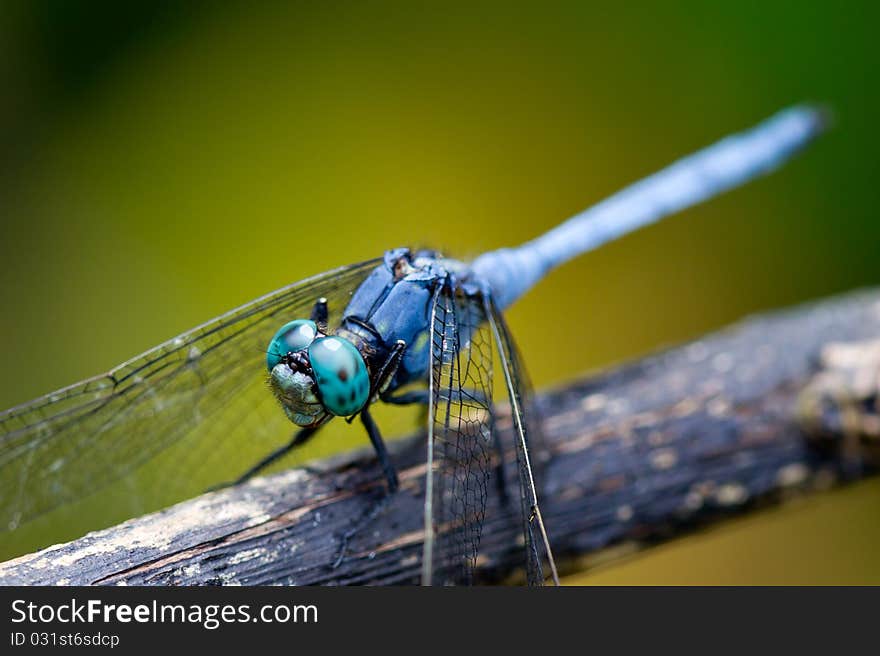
(381, 451)
(379, 505)
(299, 438)
(320, 314)
(389, 368)
(407, 398)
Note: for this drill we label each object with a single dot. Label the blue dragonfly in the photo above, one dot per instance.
(410, 327)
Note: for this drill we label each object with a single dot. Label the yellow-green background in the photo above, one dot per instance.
(162, 165)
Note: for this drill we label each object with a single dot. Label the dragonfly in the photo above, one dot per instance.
(410, 327)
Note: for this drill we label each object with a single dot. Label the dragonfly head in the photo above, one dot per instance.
(315, 376)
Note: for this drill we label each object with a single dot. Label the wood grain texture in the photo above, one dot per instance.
(778, 404)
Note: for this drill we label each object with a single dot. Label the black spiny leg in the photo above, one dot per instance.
(389, 368)
(381, 451)
(407, 398)
(299, 438)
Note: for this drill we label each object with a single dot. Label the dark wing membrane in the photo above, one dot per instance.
(527, 436)
(460, 438)
(189, 403)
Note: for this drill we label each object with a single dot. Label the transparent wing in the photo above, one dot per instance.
(459, 438)
(189, 403)
(528, 440)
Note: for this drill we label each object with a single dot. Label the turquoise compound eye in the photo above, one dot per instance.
(293, 336)
(341, 375)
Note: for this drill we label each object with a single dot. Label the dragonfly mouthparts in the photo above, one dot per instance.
(297, 361)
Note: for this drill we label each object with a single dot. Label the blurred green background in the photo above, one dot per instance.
(160, 162)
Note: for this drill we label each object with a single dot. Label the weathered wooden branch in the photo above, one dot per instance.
(781, 403)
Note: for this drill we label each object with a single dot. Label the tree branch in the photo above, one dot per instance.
(780, 403)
